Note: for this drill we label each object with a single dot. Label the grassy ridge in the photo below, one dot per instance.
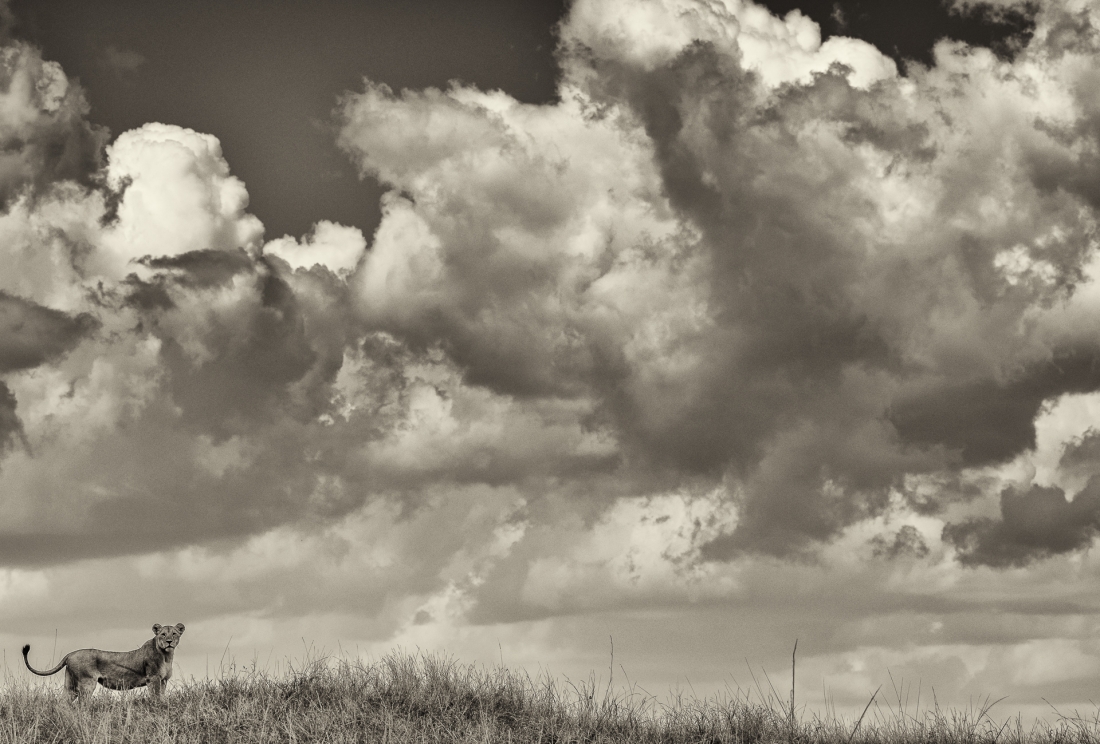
(403, 698)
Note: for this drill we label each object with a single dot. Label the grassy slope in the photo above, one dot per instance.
(405, 698)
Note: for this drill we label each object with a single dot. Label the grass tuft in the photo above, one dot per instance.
(426, 698)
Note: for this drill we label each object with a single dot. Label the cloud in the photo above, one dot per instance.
(907, 542)
(1034, 524)
(989, 421)
(1081, 456)
(732, 257)
(521, 239)
(201, 362)
(336, 247)
(836, 293)
(42, 126)
(177, 197)
(10, 425)
(651, 34)
(31, 334)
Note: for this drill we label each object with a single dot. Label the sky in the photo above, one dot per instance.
(512, 332)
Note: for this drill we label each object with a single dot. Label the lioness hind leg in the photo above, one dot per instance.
(86, 687)
(71, 685)
(79, 688)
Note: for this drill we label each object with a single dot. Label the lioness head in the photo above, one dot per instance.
(167, 636)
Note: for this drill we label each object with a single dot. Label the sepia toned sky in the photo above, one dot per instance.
(512, 331)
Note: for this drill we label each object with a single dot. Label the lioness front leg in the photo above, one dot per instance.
(155, 685)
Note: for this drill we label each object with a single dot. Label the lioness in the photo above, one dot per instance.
(119, 670)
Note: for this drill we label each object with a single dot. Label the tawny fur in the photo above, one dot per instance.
(149, 666)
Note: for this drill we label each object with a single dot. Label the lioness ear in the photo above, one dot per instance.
(179, 627)
(156, 628)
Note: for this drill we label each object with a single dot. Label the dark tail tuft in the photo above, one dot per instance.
(26, 650)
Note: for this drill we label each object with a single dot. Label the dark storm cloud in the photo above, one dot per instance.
(1081, 457)
(1036, 523)
(987, 421)
(204, 269)
(11, 427)
(907, 542)
(784, 287)
(31, 334)
(808, 301)
(273, 349)
(198, 270)
(783, 277)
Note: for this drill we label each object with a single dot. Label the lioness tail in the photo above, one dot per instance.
(55, 670)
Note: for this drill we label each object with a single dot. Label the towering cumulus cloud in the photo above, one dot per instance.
(739, 294)
(758, 258)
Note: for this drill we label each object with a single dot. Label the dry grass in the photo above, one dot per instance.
(414, 698)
